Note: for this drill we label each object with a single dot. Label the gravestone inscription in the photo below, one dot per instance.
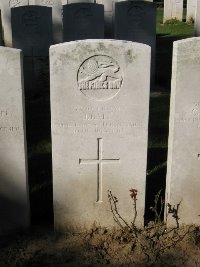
(14, 201)
(99, 111)
(136, 21)
(183, 183)
(83, 21)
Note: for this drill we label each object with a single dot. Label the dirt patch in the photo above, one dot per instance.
(101, 247)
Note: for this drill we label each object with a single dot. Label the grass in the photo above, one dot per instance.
(173, 29)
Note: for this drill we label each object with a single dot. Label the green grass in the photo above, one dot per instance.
(173, 29)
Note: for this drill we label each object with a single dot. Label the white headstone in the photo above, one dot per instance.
(197, 19)
(191, 10)
(173, 9)
(56, 16)
(14, 202)
(5, 6)
(183, 170)
(99, 109)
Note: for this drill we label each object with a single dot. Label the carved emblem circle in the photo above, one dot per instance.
(100, 77)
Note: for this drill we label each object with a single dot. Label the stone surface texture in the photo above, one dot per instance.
(99, 111)
(14, 202)
(183, 171)
(83, 21)
(173, 9)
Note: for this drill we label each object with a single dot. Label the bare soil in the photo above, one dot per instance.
(102, 247)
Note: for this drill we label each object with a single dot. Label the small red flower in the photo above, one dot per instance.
(133, 193)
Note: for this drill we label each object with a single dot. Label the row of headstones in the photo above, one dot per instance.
(57, 6)
(32, 32)
(174, 9)
(32, 25)
(99, 116)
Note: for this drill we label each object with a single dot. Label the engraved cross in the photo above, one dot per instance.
(100, 161)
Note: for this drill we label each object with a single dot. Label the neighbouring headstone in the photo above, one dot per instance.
(99, 112)
(83, 21)
(183, 183)
(32, 29)
(32, 32)
(109, 15)
(14, 200)
(5, 6)
(56, 6)
(173, 9)
(136, 21)
(191, 10)
(197, 20)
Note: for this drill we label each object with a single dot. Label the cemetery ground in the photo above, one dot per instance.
(154, 245)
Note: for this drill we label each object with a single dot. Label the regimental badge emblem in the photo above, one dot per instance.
(100, 77)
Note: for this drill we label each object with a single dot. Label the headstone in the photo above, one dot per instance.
(5, 6)
(136, 21)
(183, 183)
(191, 10)
(99, 112)
(173, 9)
(56, 16)
(109, 7)
(32, 32)
(83, 21)
(197, 20)
(14, 202)
(109, 15)
(32, 29)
